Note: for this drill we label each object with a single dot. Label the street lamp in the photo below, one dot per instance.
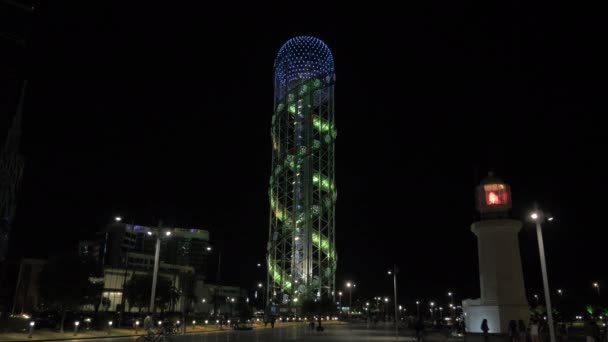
(597, 287)
(156, 262)
(350, 286)
(117, 218)
(218, 288)
(451, 295)
(560, 292)
(340, 299)
(394, 272)
(538, 217)
(418, 308)
(432, 305)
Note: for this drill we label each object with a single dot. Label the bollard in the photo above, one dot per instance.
(193, 325)
(32, 323)
(109, 327)
(136, 326)
(76, 324)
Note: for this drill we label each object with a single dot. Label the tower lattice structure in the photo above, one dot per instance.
(301, 252)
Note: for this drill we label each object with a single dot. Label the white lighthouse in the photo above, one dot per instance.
(503, 294)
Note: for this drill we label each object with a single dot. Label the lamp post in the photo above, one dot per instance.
(418, 308)
(340, 299)
(350, 286)
(218, 287)
(538, 217)
(32, 324)
(597, 287)
(76, 324)
(432, 305)
(451, 295)
(156, 262)
(394, 272)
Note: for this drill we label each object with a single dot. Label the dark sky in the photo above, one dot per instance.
(162, 111)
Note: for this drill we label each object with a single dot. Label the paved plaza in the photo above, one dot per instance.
(334, 332)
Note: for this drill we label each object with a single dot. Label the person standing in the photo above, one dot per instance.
(521, 328)
(485, 329)
(534, 331)
(513, 332)
(419, 329)
(149, 325)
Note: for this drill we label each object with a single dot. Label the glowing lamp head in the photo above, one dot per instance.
(493, 197)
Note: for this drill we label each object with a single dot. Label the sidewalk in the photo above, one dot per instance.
(49, 335)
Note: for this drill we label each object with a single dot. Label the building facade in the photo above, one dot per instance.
(123, 250)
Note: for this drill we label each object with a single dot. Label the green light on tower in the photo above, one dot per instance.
(301, 254)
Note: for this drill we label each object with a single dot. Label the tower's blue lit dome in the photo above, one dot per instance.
(303, 57)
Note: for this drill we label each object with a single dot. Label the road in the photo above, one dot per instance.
(338, 332)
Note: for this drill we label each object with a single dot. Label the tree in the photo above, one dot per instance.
(65, 284)
(94, 295)
(137, 291)
(139, 288)
(106, 303)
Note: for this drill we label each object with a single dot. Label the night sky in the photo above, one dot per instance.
(162, 112)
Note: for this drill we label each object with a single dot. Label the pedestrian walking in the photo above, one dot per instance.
(485, 329)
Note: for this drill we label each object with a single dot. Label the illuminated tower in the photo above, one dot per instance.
(501, 280)
(301, 254)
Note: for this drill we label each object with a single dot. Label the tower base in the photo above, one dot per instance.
(498, 316)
